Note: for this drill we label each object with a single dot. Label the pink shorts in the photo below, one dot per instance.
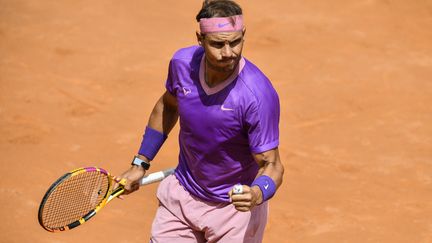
(182, 217)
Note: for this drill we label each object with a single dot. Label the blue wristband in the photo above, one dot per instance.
(267, 186)
(151, 143)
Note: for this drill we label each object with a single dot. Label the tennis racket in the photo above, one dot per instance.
(78, 195)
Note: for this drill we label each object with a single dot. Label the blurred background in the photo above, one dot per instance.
(78, 80)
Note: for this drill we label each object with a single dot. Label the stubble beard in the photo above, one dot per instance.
(225, 69)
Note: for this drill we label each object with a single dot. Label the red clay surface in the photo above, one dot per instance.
(78, 80)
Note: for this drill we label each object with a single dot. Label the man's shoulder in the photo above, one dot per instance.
(256, 83)
(253, 77)
(188, 53)
(251, 71)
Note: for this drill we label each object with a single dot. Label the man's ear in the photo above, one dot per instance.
(200, 38)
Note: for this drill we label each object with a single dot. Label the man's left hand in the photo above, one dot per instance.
(245, 201)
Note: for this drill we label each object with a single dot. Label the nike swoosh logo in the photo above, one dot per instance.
(225, 108)
(266, 186)
(223, 25)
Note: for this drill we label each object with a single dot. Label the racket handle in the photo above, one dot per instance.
(156, 176)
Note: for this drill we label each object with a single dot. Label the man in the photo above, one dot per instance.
(229, 116)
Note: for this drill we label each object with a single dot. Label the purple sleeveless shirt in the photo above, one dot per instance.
(221, 127)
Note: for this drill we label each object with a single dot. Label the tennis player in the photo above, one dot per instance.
(229, 135)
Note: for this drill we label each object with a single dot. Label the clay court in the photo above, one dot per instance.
(78, 80)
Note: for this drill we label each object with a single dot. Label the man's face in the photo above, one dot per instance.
(223, 50)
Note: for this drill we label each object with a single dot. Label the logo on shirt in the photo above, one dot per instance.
(186, 91)
(266, 186)
(226, 108)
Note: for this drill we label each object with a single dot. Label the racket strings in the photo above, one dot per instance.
(73, 198)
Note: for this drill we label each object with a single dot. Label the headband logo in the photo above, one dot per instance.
(221, 24)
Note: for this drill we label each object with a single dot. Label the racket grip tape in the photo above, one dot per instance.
(156, 176)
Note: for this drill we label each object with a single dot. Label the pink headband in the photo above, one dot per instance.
(224, 24)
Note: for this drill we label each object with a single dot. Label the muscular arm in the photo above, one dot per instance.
(165, 114)
(163, 118)
(270, 165)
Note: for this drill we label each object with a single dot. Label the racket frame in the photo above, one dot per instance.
(106, 198)
(109, 195)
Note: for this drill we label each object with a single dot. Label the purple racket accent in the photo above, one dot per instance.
(93, 169)
(90, 169)
(103, 171)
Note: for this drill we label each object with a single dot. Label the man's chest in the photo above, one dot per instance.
(210, 114)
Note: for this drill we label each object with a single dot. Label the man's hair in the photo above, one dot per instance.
(218, 8)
